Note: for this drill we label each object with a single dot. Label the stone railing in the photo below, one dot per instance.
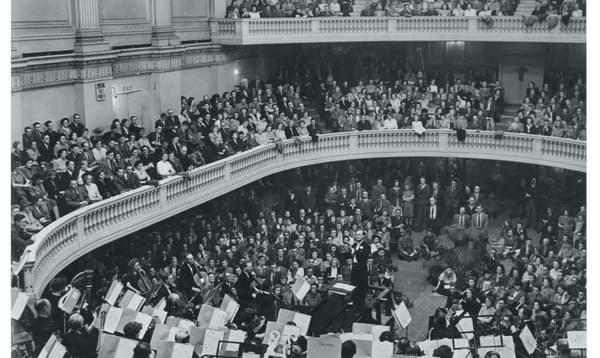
(90, 227)
(356, 29)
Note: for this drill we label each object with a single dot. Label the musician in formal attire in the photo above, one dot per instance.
(165, 288)
(243, 284)
(188, 277)
(359, 276)
(136, 279)
(81, 341)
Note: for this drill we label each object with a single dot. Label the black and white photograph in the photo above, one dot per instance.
(298, 178)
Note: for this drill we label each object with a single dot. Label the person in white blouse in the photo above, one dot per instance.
(91, 189)
(164, 168)
(334, 7)
(390, 123)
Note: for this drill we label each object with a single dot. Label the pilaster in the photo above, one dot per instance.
(163, 32)
(88, 34)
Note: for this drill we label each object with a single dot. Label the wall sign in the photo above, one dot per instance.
(100, 91)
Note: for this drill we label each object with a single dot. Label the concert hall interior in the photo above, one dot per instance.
(298, 178)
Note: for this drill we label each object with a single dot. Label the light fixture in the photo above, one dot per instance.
(236, 71)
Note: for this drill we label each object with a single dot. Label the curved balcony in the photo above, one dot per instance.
(86, 229)
(401, 29)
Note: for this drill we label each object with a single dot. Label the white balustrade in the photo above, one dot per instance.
(79, 232)
(418, 28)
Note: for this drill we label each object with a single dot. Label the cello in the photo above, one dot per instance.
(144, 284)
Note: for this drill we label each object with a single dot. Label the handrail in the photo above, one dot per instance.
(417, 28)
(95, 225)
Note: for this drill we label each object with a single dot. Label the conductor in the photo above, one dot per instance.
(359, 276)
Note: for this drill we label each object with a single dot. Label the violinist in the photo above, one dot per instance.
(189, 278)
(136, 278)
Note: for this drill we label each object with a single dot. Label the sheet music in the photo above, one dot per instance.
(58, 351)
(235, 336)
(343, 286)
(272, 326)
(302, 321)
(19, 305)
(205, 315)
(576, 339)
(402, 315)
(374, 329)
(382, 349)
(47, 347)
(300, 288)
(113, 292)
(285, 316)
(136, 302)
(128, 315)
(218, 318)
(160, 333)
(69, 300)
(490, 341)
(145, 320)
(528, 340)
(131, 300)
(185, 324)
(180, 350)
(125, 347)
(211, 341)
(112, 318)
(230, 306)
(465, 324)
(172, 321)
(153, 312)
(461, 343)
(324, 347)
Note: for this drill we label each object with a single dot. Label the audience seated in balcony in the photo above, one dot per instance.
(483, 8)
(307, 235)
(53, 176)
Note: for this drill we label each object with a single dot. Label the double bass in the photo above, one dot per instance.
(145, 285)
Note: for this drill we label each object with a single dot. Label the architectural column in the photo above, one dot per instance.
(163, 32)
(88, 36)
(217, 9)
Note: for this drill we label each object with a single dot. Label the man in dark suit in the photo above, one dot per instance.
(76, 126)
(157, 137)
(109, 165)
(480, 221)
(359, 276)
(243, 285)
(74, 197)
(433, 214)
(313, 129)
(462, 219)
(346, 270)
(451, 198)
(423, 194)
(292, 202)
(290, 130)
(366, 205)
(363, 124)
(185, 277)
(161, 122)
